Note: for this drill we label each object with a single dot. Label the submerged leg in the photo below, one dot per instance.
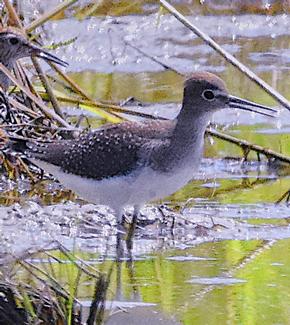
(119, 235)
(119, 246)
(119, 215)
(132, 227)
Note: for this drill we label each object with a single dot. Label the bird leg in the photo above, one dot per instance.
(120, 219)
(132, 227)
(119, 235)
(119, 247)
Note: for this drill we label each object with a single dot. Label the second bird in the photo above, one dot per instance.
(13, 46)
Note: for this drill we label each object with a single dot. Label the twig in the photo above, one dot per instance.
(21, 74)
(44, 18)
(26, 169)
(78, 262)
(164, 65)
(285, 196)
(22, 107)
(44, 109)
(13, 15)
(109, 116)
(47, 87)
(245, 144)
(97, 308)
(53, 285)
(111, 107)
(229, 57)
(66, 78)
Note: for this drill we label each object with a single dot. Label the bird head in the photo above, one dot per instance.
(14, 45)
(205, 92)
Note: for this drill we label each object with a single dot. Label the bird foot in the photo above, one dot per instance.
(202, 231)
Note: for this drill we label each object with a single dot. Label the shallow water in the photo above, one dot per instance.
(227, 259)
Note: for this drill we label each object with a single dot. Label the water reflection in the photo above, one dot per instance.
(245, 275)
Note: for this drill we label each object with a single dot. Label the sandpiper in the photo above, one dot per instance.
(131, 163)
(14, 46)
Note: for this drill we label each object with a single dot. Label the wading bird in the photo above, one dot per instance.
(131, 163)
(13, 46)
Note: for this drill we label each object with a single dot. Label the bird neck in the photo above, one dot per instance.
(185, 146)
(190, 127)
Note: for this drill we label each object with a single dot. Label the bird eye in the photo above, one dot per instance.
(208, 95)
(13, 40)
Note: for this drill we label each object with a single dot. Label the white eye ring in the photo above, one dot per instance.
(208, 95)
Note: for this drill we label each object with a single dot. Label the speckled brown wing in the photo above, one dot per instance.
(113, 150)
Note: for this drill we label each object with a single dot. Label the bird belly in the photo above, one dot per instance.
(151, 185)
(114, 191)
(120, 191)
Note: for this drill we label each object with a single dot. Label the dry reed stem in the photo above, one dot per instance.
(47, 87)
(229, 57)
(250, 146)
(93, 105)
(13, 17)
(109, 116)
(49, 113)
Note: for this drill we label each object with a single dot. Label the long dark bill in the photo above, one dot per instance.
(41, 53)
(246, 105)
